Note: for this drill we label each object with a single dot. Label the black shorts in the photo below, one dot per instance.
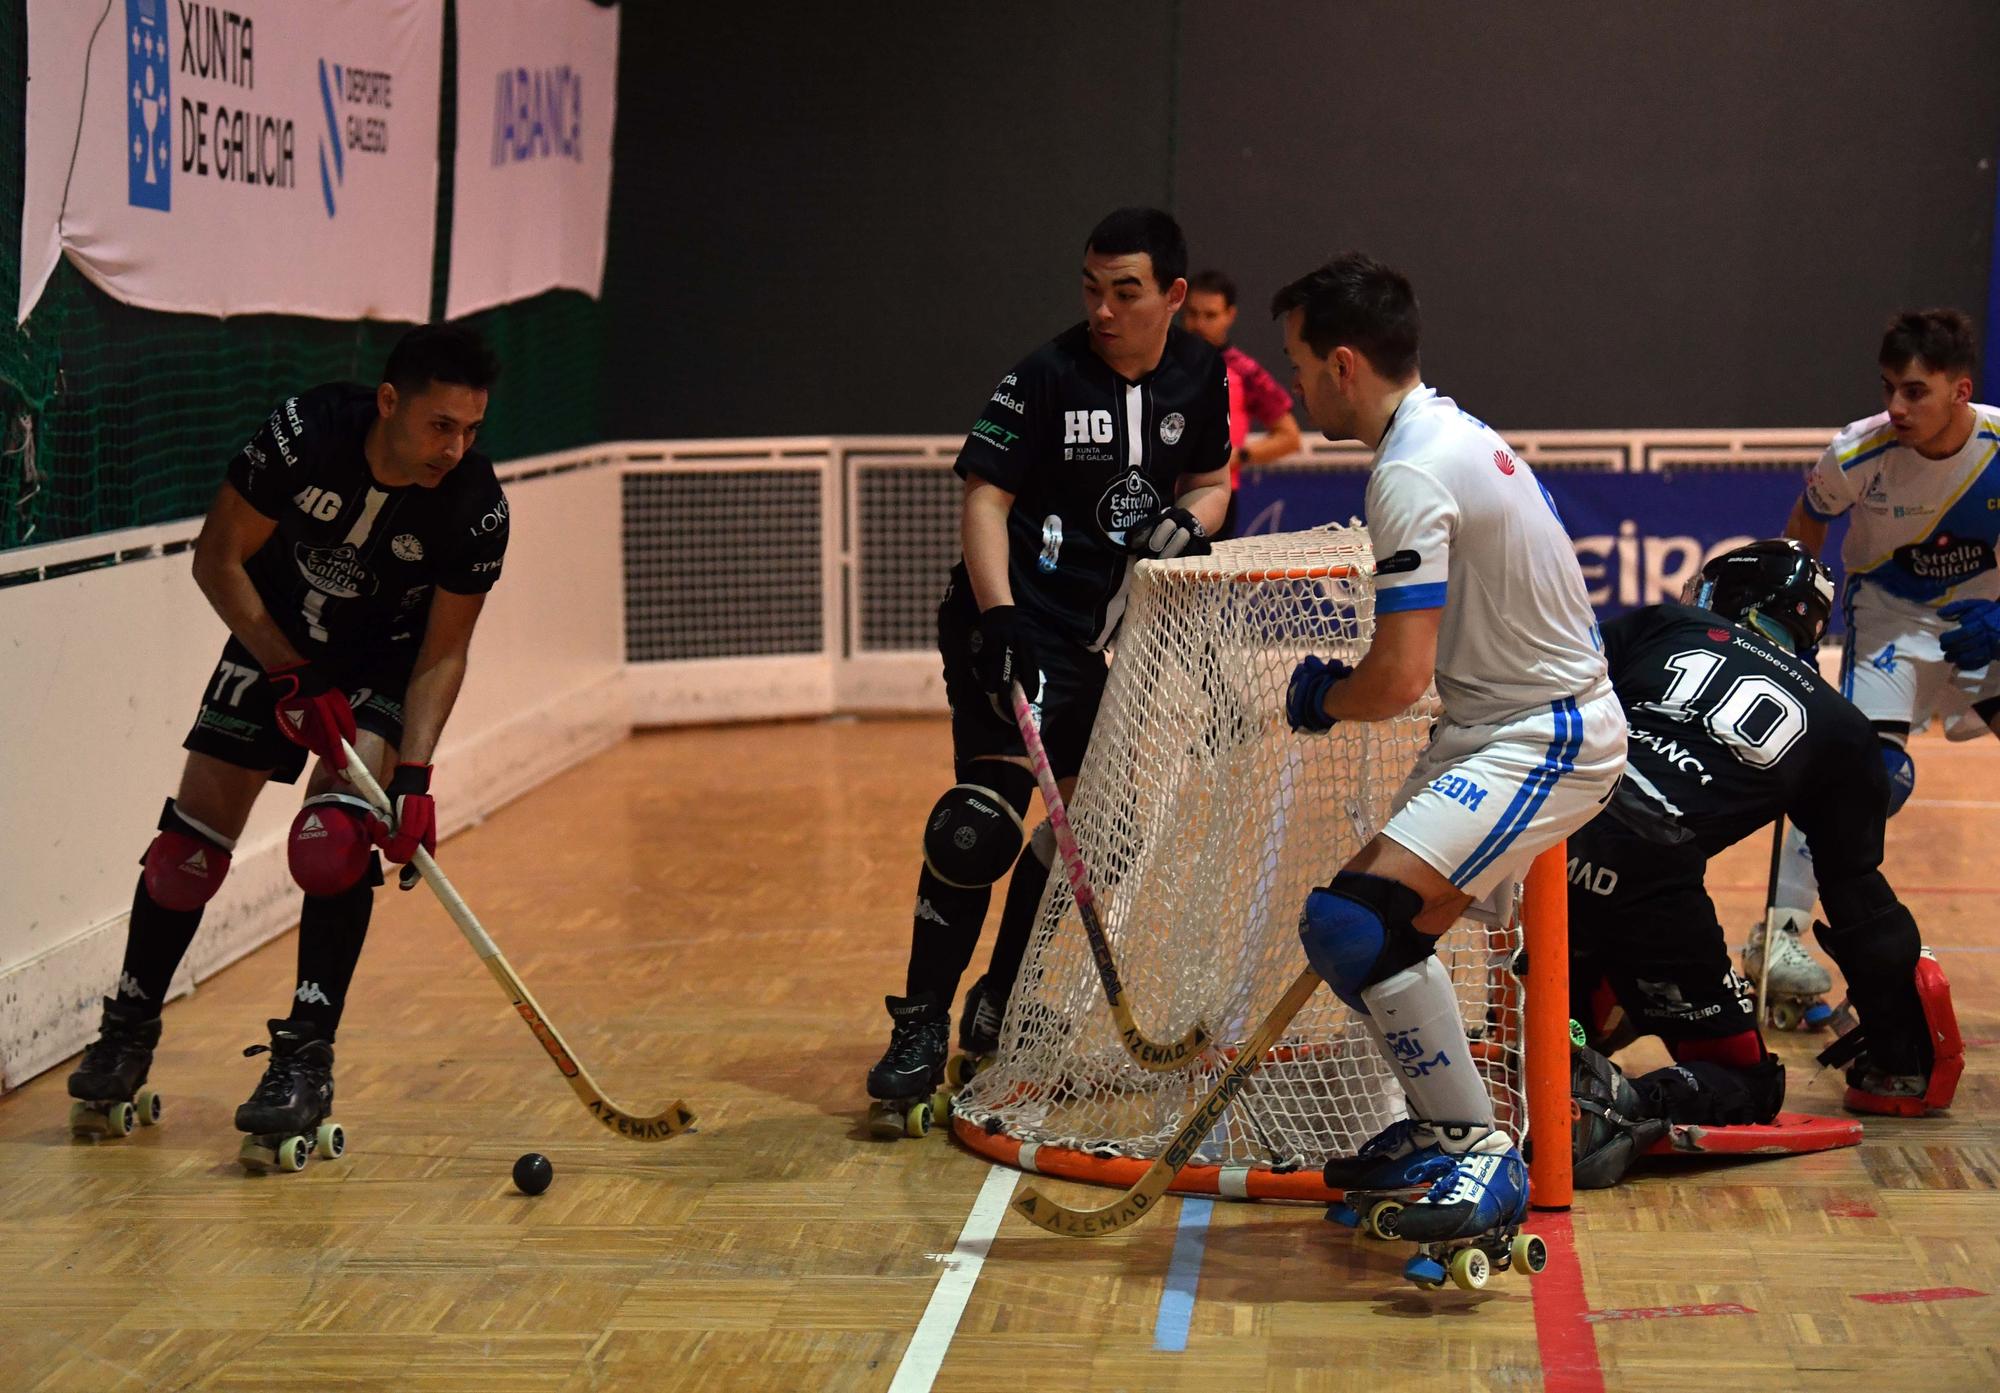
(1073, 680)
(1641, 923)
(238, 724)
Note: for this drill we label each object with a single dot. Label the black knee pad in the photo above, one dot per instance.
(975, 831)
(1714, 1094)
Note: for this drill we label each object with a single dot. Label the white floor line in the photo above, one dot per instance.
(1951, 803)
(925, 1356)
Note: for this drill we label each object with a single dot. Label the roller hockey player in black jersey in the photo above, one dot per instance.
(1731, 727)
(1107, 445)
(349, 552)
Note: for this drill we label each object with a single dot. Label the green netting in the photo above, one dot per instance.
(116, 417)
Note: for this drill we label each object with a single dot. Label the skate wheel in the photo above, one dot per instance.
(1425, 1271)
(917, 1121)
(1385, 1218)
(1529, 1253)
(1784, 1015)
(84, 1120)
(120, 1119)
(884, 1121)
(331, 1139)
(148, 1103)
(292, 1153)
(941, 1106)
(257, 1156)
(1818, 1016)
(1470, 1269)
(958, 1071)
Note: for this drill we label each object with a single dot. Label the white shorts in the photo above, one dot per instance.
(1894, 670)
(1484, 801)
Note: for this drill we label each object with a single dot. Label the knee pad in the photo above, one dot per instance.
(1902, 772)
(329, 850)
(186, 862)
(975, 832)
(1701, 1091)
(1359, 930)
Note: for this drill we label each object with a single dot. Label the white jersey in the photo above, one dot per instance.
(1922, 530)
(1459, 522)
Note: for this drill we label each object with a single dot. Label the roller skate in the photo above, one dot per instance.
(906, 1082)
(978, 1034)
(1468, 1225)
(109, 1081)
(286, 1117)
(1798, 984)
(1384, 1176)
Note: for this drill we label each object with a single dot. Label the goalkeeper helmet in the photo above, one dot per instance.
(1776, 587)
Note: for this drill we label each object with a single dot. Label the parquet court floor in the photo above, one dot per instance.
(716, 914)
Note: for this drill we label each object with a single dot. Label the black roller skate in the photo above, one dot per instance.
(1387, 1174)
(1468, 1225)
(109, 1081)
(978, 1033)
(286, 1117)
(905, 1082)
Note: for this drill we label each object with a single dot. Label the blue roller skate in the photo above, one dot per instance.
(1468, 1226)
(1384, 1176)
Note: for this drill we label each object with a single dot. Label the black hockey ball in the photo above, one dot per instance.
(532, 1173)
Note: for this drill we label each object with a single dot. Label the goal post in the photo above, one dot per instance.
(1205, 820)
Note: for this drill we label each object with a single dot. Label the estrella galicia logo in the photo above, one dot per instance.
(149, 171)
(329, 181)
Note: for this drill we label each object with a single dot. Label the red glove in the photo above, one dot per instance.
(311, 713)
(409, 793)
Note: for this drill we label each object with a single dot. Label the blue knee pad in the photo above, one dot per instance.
(1359, 930)
(1902, 775)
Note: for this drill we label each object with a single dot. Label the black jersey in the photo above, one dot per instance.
(1087, 454)
(353, 563)
(1729, 730)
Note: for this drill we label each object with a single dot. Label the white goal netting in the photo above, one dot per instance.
(1204, 821)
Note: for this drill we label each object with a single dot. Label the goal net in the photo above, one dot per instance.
(1204, 821)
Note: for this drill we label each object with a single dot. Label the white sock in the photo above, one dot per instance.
(1416, 1016)
(1798, 888)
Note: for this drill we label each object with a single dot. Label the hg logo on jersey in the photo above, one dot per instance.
(149, 134)
(1410, 1051)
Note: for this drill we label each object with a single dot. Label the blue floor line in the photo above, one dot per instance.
(1170, 1330)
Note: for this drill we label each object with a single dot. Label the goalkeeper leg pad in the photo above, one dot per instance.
(1359, 930)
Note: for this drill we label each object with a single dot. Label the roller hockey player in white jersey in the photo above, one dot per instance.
(1106, 445)
(1920, 485)
(1476, 584)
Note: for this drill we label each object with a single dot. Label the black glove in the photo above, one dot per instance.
(1166, 534)
(1002, 654)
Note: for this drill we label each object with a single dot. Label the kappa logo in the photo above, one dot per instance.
(1171, 427)
(149, 172)
(128, 986)
(1503, 461)
(926, 911)
(310, 994)
(407, 547)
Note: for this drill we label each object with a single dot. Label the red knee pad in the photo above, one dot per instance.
(1743, 1050)
(186, 862)
(1947, 1050)
(329, 850)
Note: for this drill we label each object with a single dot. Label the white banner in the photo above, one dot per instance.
(271, 157)
(537, 96)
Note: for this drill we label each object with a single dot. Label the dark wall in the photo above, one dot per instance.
(839, 218)
(1678, 214)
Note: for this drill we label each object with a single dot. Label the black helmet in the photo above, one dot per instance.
(1777, 581)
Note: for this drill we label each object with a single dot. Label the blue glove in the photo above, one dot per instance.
(1305, 697)
(1976, 640)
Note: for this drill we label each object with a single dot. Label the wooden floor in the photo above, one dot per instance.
(715, 915)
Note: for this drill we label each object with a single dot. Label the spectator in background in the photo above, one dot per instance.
(1255, 398)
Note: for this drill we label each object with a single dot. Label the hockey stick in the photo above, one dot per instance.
(1147, 1054)
(669, 1122)
(1135, 1202)
(1770, 920)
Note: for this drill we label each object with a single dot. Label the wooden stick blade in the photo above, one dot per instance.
(1156, 1058)
(1121, 1213)
(670, 1122)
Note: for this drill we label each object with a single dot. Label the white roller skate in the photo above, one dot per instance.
(1798, 984)
(1468, 1225)
(1387, 1174)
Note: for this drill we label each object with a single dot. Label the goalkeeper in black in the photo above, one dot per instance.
(1732, 726)
(1107, 445)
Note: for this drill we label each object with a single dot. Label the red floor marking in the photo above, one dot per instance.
(1904, 1298)
(1563, 1335)
(1850, 1209)
(1727, 1308)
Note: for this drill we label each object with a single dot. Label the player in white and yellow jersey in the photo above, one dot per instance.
(1920, 485)
(1477, 586)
